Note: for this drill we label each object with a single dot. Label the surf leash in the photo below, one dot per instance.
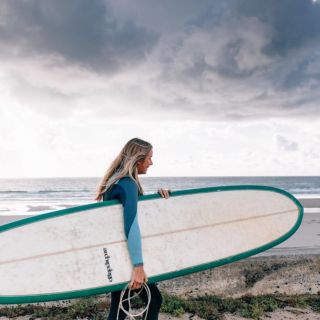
(129, 313)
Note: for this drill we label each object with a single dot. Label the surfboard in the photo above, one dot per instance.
(82, 251)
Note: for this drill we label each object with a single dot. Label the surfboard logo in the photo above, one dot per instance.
(107, 264)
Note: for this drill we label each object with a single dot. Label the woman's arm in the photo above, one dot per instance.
(129, 199)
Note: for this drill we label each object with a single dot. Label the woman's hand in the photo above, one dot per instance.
(164, 193)
(138, 278)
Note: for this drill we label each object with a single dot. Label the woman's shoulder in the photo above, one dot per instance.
(127, 182)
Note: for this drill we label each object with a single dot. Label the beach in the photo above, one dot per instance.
(288, 272)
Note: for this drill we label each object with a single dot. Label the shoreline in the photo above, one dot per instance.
(42, 207)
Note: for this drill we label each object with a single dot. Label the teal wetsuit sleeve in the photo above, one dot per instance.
(129, 200)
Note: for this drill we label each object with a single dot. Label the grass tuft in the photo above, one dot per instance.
(257, 271)
(208, 307)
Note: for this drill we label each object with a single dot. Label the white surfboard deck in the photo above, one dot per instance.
(83, 250)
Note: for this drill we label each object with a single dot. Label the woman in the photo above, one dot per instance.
(121, 182)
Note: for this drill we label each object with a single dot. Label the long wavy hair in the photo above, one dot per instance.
(125, 164)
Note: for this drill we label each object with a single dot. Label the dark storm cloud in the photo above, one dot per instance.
(223, 60)
(81, 32)
(295, 27)
(288, 25)
(247, 59)
(294, 22)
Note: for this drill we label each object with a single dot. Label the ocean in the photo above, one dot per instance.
(34, 196)
(25, 197)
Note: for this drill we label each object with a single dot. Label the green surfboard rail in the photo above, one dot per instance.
(166, 276)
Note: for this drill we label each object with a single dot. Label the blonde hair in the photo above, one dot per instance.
(125, 164)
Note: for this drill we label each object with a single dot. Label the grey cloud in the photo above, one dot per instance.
(43, 99)
(294, 22)
(285, 144)
(82, 32)
(247, 59)
(228, 65)
(295, 73)
(296, 77)
(212, 60)
(285, 25)
(295, 36)
(312, 154)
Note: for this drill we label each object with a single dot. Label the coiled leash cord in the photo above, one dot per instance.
(129, 313)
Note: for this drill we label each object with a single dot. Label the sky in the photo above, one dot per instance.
(220, 88)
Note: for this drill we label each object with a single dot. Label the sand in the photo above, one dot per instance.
(310, 202)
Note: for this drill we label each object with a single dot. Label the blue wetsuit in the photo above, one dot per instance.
(126, 190)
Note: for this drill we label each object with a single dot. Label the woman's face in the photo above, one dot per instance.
(145, 164)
